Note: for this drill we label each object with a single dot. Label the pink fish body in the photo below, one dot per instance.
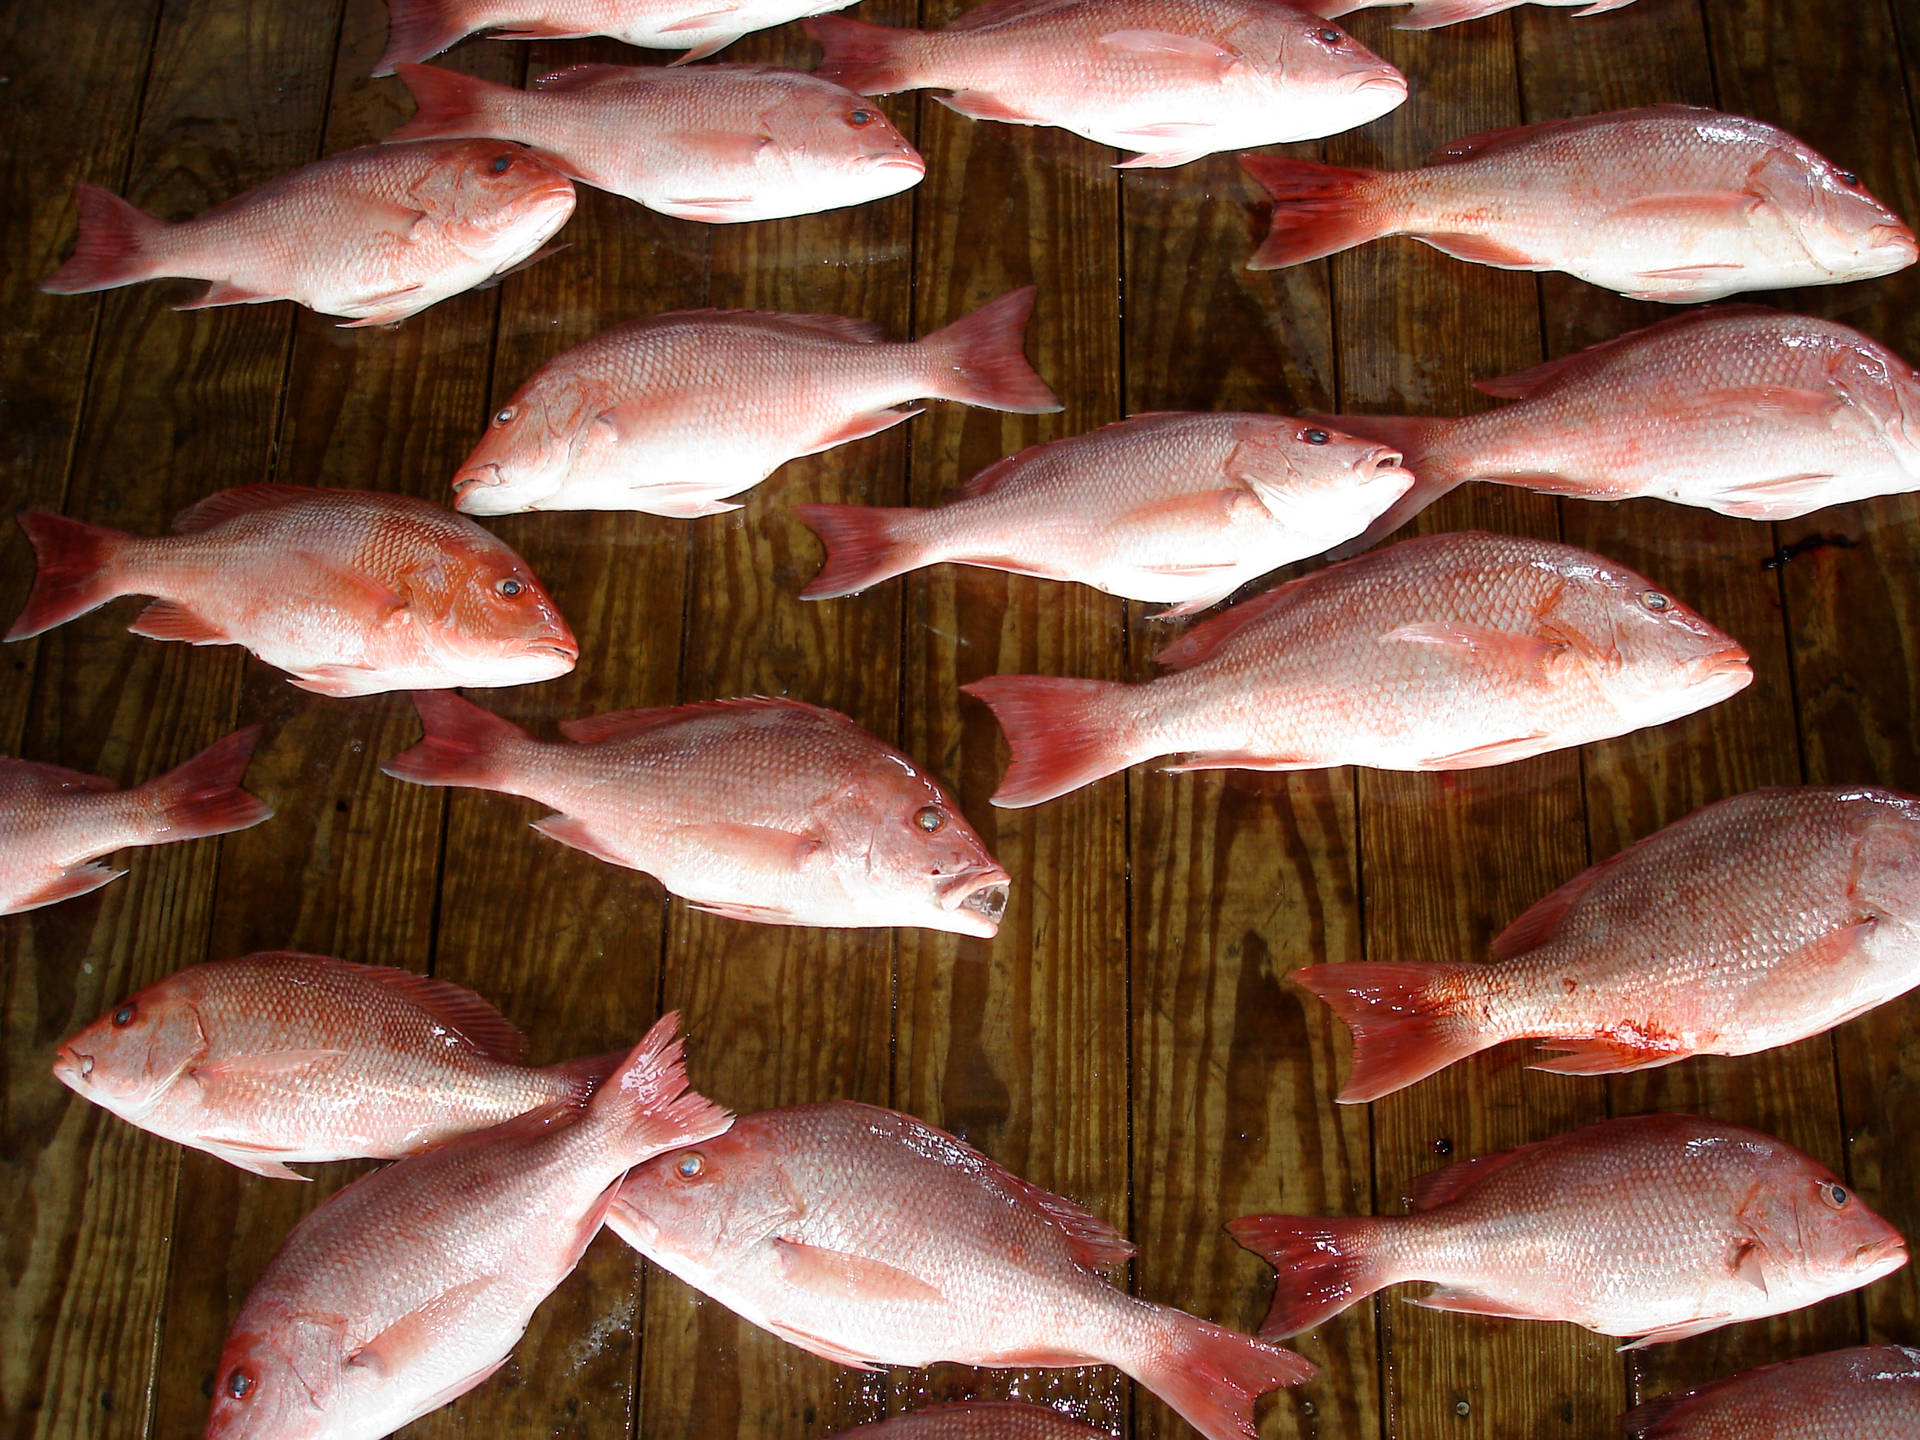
(1180, 508)
(978, 1420)
(1871, 1392)
(1431, 14)
(1753, 923)
(348, 591)
(1672, 202)
(55, 823)
(281, 1058)
(1446, 652)
(720, 143)
(375, 234)
(1660, 1226)
(409, 1287)
(759, 809)
(868, 1237)
(423, 28)
(1174, 79)
(673, 414)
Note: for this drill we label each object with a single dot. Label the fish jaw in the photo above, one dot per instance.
(973, 901)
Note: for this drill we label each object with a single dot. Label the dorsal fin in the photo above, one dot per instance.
(456, 1007)
(218, 508)
(1523, 383)
(60, 774)
(1095, 1244)
(1204, 639)
(1538, 923)
(620, 724)
(991, 478)
(995, 12)
(575, 78)
(1477, 146)
(1443, 1187)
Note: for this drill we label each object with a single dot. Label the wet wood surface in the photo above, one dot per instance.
(1128, 1038)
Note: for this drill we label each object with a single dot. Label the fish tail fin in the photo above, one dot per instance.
(1063, 733)
(646, 1101)
(1321, 1266)
(979, 359)
(1318, 210)
(1432, 14)
(111, 248)
(582, 1077)
(867, 59)
(1211, 1375)
(462, 745)
(864, 547)
(1406, 1020)
(202, 796)
(448, 103)
(76, 571)
(417, 29)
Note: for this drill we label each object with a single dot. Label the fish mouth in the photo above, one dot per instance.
(901, 160)
(1896, 238)
(72, 1068)
(981, 892)
(567, 650)
(1387, 79)
(1892, 1249)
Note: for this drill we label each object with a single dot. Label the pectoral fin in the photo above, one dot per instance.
(836, 1275)
(423, 1330)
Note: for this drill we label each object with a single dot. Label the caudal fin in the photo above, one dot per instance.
(1212, 1375)
(417, 29)
(203, 797)
(863, 547)
(1063, 733)
(582, 1077)
(868, 59)
(978, 359)
(1318, 210)
(1406, 1022)
(1320, 1267)
(461, 747)
(75, 575)
(646, 1101)
(450, 104)
(111, 247)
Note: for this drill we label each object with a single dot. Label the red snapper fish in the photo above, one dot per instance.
(870, 1238)
(279, 1058)
(1672, 202)
(1447, 652)
(422, 28)
(1658, 1226)
(348, 591)
(720, 143)
(1871, 1392)
(1739, 409)
(1180, 508)
(1753, 923)
(56, 824)
(978, 1420)
(409, 1287)
(1174, 79)
(375, 234)
(674, 413)
(1431, 14)
(758, 809)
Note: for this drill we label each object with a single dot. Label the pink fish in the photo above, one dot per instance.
(409, 1287)
(1175, 79)
(1753, 923)
(1447, 652)
(376, 234)
(674, 413)
(1672, 202)
(1660, 1226)
(978, 1420)
(720, 143)
(1177, 508)
(871, 1238)
(281, 1058)
(348, 591)
(56, 823)
(421, 28)
(759, 809)
(1431, 14)
(1871, 1392)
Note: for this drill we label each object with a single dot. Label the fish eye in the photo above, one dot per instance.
(239, 1384)
(930, 819)
(1655, 601)
(1314, 437)
(123, 1017)
(1835, 1195)
(508, 586)
(1847, 178)
(690, 1165)
(860, 117)
(505, 417)
(501, 164)
(1327, 35)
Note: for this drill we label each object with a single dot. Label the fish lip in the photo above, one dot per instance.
(567, 650)
(1386, 78)
(983, 891)
(71, 1067)
(1896, 237)
(1889, 1248)
(478, 475)
(896, 160)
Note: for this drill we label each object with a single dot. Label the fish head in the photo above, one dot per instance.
(496, 199)
(910, 857)
(482, 612)
(705, 1205)
(129, 1058)
(839, 143)
(1302, 54)
(533, 443)
(279, 1378)
(1306, 469)
(1812, 1235)
(1833, 216)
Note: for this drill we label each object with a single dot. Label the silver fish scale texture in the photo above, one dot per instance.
(980, 1420)
(51, 819)
(1871, 1392)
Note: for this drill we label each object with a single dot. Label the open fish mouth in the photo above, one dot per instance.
(979, 892)
(482, 475)
(72, 1068)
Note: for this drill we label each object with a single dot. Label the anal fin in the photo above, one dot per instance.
(80, 880)
(170, 620)
(1602, 1057)
(570, 830)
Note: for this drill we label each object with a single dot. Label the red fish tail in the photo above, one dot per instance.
(417, 29)
(76, 571)
(864, 547)
(646, 1102)
(1212, 1375)
(978, 359)
(582, 1077)
(1320, 1267)
(1063, 733)
(450, 104)
(1407, 1022)
(1318, 210)
(868, 59)
(462, 746)
(111, 248)
(202, 796)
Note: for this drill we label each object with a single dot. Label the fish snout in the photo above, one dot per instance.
(980, 891)
(1382, 78)
(72, 1067)
(899, 157)
(1897, 239)
(471, 485)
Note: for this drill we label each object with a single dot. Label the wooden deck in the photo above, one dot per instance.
(1127, 1039)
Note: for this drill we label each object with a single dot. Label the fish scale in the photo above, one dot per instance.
(1870, 1392)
